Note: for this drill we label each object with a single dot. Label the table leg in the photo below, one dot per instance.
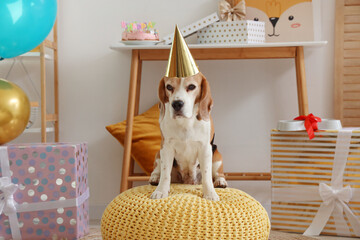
(137, 103)
(301, 81)
(138, 85)
(129, 120)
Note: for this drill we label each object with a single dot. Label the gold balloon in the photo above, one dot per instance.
(14, 111)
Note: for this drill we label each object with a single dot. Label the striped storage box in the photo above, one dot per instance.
(316, 183)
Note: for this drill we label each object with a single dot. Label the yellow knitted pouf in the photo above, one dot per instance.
(184, 215)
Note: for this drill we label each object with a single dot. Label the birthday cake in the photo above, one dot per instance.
(139, 31)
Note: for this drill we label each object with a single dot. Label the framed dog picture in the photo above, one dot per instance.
(285, 20)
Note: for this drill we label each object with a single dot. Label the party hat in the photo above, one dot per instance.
(181, 63)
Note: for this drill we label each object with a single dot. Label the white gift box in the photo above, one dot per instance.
(193, 27)
(316, 183)
(236, 32)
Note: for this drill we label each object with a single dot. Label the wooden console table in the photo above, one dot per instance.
(140, 53)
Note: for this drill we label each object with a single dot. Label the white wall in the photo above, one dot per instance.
(250, 95)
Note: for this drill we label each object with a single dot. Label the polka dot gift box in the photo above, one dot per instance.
(43, 191)
(235, 32)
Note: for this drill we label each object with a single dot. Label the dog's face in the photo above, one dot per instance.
(184, 95)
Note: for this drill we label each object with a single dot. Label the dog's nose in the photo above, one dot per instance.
(177, 105)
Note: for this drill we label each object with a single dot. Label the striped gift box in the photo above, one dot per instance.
(299, 166)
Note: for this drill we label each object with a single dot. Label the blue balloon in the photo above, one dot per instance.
(24, 24)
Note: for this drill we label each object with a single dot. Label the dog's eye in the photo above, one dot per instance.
(191, 87)
(291, 17)
(169, 87)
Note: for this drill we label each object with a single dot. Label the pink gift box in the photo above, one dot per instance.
(51, 197)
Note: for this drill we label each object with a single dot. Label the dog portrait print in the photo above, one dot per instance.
(285, 20)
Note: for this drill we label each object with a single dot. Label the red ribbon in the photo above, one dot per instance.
(310, 124)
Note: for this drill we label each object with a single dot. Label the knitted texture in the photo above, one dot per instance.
(184, 215)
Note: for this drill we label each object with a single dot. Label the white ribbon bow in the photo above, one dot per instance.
(7, 202)
(228, 13)
(334, 202)
(330, 195)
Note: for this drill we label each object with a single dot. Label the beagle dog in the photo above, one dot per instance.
(188, 154)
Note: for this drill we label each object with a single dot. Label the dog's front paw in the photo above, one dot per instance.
(220, 182)
(154, 179)
(211, 195)
(158, 195)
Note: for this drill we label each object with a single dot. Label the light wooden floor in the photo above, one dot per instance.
(337, 238)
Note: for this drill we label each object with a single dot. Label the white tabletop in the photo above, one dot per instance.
(121, 46)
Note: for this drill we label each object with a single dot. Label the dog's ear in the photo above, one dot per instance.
(206, 102)
(162, 97)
